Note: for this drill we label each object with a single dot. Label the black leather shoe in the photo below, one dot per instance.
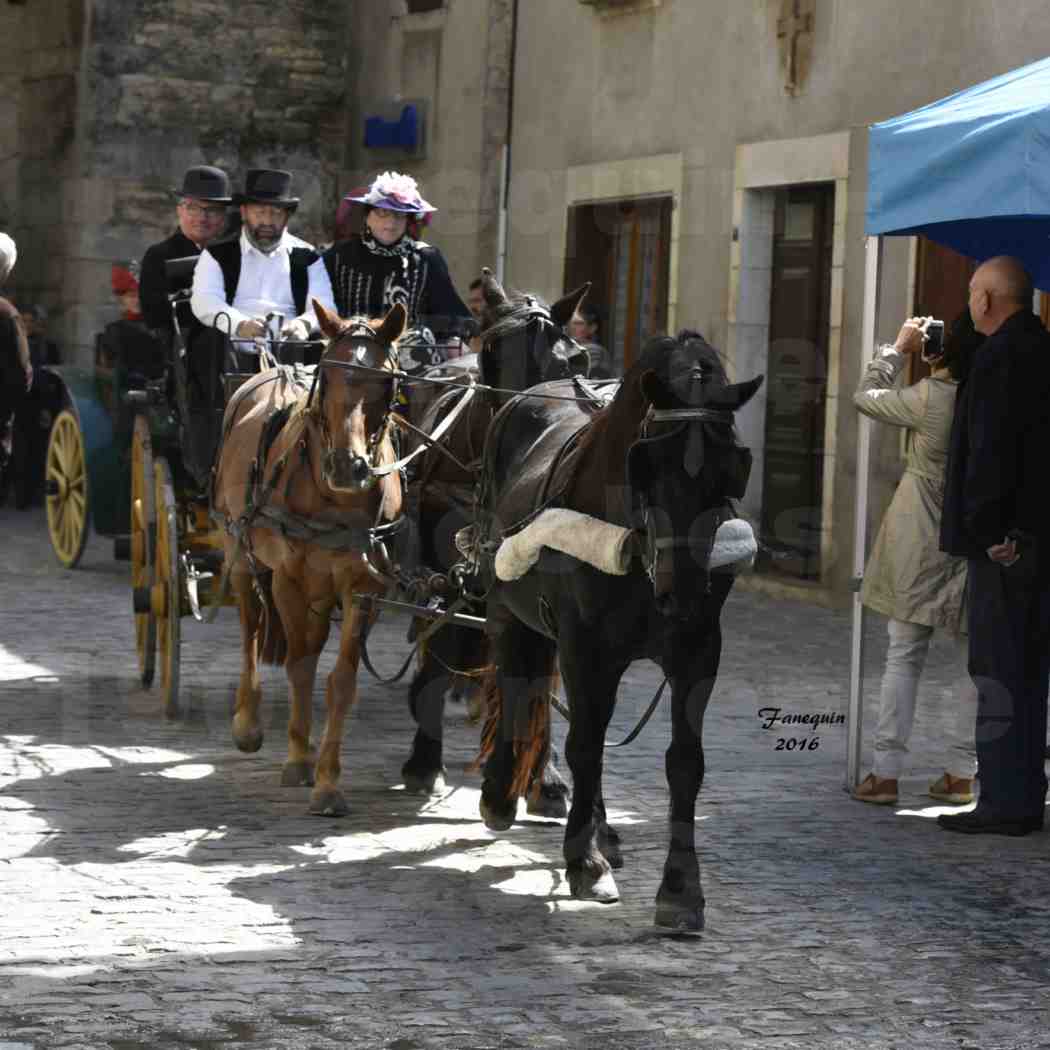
(989, 824)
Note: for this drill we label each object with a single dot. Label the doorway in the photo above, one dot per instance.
(799, 326)
(623, 248)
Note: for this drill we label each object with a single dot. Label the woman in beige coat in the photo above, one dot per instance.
(908, 578)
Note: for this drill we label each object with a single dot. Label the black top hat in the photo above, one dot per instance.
(205, 184)
(263, 186)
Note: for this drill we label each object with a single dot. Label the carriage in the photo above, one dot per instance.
(115, 463)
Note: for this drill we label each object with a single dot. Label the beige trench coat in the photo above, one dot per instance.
(907, 576)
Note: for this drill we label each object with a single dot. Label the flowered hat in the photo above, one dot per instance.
(395, 192)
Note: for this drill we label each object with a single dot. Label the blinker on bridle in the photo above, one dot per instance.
(693, 462)
(362, 332)
(533, 313)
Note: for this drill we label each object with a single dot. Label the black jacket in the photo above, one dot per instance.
(996, 475)
(366, 283)
(153, 281)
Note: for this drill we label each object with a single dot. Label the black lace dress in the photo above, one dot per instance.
(369, 278)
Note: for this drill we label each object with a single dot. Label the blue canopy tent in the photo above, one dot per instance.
(971, 172)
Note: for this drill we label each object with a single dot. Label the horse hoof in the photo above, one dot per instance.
(430, 782)
(547, 802)
(249, 739)
(584, 886)
(328, 802)
(297, 774)
(497, 818)
(679, 918)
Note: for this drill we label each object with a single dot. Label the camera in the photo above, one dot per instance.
(933, 347)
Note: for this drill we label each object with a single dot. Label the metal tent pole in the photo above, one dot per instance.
(855, 719)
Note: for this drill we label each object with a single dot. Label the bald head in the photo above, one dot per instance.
(999, 289)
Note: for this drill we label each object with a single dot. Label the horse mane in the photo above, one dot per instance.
(655, 357)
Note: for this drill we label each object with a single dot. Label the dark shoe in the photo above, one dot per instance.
(989, 824)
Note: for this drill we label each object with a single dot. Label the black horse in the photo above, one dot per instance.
(661, 459)
(523, 344)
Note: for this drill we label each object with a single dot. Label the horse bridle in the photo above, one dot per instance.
(534, 312)
(360, 331)
(654, 543)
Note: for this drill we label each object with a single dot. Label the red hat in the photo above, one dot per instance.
(123, 280)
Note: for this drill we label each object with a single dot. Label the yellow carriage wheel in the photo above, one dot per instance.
(166, 591)
(143, 537)
(67, 489)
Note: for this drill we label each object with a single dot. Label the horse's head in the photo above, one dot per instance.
(355, 395)
(684, 464)
(523, 341)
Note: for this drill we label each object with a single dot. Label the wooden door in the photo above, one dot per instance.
(798, 358)
(624, 249)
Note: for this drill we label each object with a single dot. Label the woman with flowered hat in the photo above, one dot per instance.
(384, 264)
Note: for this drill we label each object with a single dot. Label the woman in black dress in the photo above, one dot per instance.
(384, 264)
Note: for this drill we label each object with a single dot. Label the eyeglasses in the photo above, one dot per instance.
(197, 212)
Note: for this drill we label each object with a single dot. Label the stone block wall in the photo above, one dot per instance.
(117, 97)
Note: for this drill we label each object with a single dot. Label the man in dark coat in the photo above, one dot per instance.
(201, 211)
(997, 514)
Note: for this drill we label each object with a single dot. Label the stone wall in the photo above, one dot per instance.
(37, 143)
(118, 97)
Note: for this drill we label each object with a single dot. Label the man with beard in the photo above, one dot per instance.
(237, 284)
(201, 211)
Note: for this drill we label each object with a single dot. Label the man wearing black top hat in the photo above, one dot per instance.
(267, 270)
(201, 211)
(237, 285)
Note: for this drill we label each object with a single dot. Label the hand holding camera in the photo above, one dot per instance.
(923, 336)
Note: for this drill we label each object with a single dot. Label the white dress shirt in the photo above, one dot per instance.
(264, 286)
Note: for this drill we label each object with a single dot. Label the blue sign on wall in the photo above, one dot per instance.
(403, 130)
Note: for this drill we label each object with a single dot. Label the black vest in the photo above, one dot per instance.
(228, 256)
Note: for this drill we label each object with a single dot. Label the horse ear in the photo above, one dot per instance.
(393, 324)
(330, 323)
(653, 389)
(736, 395)
(565, 307)
(491, 289)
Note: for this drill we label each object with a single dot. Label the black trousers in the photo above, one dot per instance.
(1009, 623)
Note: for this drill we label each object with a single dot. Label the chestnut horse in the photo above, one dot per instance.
(301, 486)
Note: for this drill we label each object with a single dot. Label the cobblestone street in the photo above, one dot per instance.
(160, 889)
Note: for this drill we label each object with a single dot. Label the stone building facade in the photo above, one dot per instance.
(729, 141)
(693, 158)
(108, 101)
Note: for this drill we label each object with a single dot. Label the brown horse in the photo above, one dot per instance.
(523, 343)
(300, 483)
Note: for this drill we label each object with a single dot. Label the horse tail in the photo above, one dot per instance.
(273, 642)
(531, 753)
(491, 703)
(531, 748)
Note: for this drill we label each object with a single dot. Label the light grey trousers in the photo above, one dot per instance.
(956, 719)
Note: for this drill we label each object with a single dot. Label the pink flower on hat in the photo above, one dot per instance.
(394, 190)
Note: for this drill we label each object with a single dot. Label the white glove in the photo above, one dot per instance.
(299, 330)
